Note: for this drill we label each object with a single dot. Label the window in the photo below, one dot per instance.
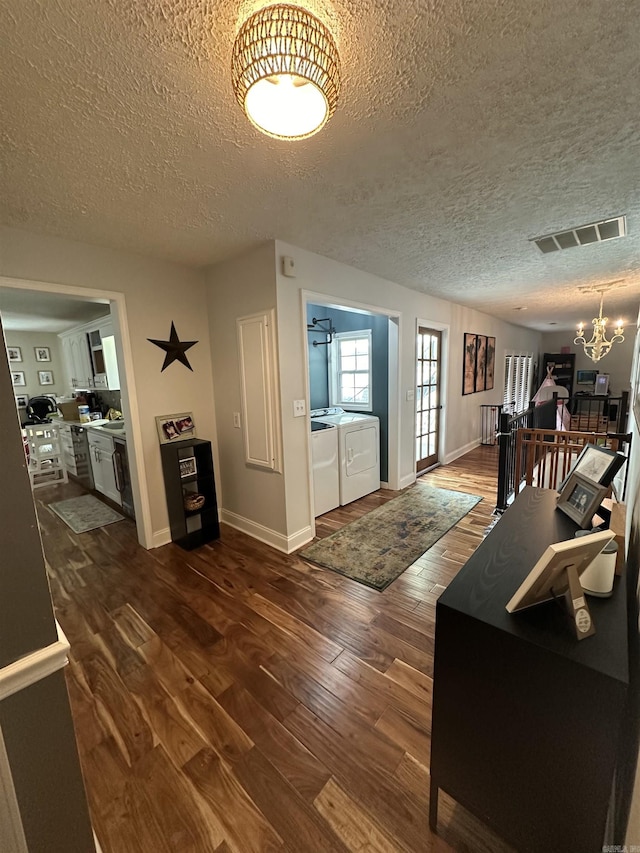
(518, 374)
(350, 370)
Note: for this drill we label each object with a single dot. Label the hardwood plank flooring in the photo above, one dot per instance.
(236, 699)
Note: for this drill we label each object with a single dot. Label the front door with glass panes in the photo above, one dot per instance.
(428, 398)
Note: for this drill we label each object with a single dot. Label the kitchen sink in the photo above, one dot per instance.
(114, 426)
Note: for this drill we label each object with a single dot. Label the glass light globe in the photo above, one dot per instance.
(286, 105)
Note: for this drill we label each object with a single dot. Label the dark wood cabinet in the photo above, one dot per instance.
(527, 720)
(563, 368)
(188, 473)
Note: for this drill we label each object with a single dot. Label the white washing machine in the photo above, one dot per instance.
(326, 468)
(358, 451)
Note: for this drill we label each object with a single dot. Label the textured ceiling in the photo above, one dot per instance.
(465, 128)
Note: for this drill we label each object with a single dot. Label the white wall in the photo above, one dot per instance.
(156, 293)
(28, 341)
(323, 276)
(617, 363)
(251, 498)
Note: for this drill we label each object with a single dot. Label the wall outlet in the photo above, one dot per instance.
(299, 408)
(236, 420)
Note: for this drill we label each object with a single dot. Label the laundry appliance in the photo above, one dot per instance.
(358, 450)
(326, 467)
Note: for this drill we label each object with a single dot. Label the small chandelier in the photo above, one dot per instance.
(599, 346)
(285, 71)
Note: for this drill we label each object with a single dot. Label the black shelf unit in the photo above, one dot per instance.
(190, 528)
(563, 368)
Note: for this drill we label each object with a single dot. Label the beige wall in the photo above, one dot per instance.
(27, 341)
(156, 293)
(237, 288)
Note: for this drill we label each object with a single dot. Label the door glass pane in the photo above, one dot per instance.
(434, 346)
(432, 445)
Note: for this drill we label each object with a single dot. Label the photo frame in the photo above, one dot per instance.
(481, 362)
(491, 364)
(14, 353)
(175, 427)
(548, 578)
(580, 499)
(469, 363)
(596, 463)
(188, 467)
(17, 378)
(22, 401)
(45, 377)
(42, 353)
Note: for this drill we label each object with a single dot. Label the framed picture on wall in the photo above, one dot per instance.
(469, 364)
(491, 364)
(22, 400)
(15, 353)
(481, 362)
(45, 377)
(42, 353)
(17, 377)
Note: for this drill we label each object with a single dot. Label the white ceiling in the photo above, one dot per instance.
(31, 311)
(464, 129)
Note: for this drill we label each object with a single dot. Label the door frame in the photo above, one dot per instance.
(395, 337)
(445, 330)
(118, 309)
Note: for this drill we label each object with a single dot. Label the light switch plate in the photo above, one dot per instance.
(299, 408)
(236, 420)
(410, 395)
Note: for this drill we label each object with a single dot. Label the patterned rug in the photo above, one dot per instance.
(85, 513)
(378, 547)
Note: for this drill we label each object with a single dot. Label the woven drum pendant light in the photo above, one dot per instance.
(285, 71)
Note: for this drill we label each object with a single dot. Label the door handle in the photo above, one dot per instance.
(116, 472)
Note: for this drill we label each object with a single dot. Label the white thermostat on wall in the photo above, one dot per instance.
(288, 267)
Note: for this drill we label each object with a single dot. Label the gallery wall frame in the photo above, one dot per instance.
(14, 353)
(479, 360)
(45, 377)
(17, 377)
(42, 353)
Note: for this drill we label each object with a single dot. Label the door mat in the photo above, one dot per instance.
(85, 513)
(378, 547)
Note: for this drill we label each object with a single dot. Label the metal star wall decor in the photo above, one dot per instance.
(175, 349)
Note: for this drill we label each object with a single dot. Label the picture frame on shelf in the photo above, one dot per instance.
(17, 378)
(42, 353)
(580, 499)
(175, 427)
(596, 463)
(188, 467)
(22, 401)
(14, 353)
(45, 377)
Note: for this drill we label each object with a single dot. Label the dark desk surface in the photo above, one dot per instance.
(497, 568)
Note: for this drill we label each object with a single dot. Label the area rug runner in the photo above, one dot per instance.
(85, 513)
(378, 547)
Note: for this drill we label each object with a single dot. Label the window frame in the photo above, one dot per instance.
(335, 373)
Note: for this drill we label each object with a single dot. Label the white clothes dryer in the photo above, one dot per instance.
(358, 451)
(326, 467)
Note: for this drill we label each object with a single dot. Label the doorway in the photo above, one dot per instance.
(428, 398)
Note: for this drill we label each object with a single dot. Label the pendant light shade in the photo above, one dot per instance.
(285, 71)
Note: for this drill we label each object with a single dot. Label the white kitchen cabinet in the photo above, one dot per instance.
(77, 361)
(88, 363)
(101, 452)
(66, 443)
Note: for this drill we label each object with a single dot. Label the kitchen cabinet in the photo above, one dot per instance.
(89, 356)
(66, 445)
(101, 452)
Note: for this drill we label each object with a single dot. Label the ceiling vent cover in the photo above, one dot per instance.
(596, 232)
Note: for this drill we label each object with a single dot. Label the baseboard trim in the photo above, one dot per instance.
(161, 537)
(460, 451)
(35, 666)
(286, 544)
(407, 480)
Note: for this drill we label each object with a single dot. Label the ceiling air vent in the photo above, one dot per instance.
(596, 232)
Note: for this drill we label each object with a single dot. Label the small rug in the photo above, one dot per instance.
(85, 513)
(378, 547)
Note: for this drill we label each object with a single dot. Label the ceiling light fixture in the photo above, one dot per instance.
(285, 71)
(599, 346)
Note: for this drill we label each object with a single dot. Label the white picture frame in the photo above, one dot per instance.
(42, 353)
(17, 378)
(175, 427)
(45, 377)
(14, 353)
(22, 401)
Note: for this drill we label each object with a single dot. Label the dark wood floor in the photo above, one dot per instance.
(237, 699)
